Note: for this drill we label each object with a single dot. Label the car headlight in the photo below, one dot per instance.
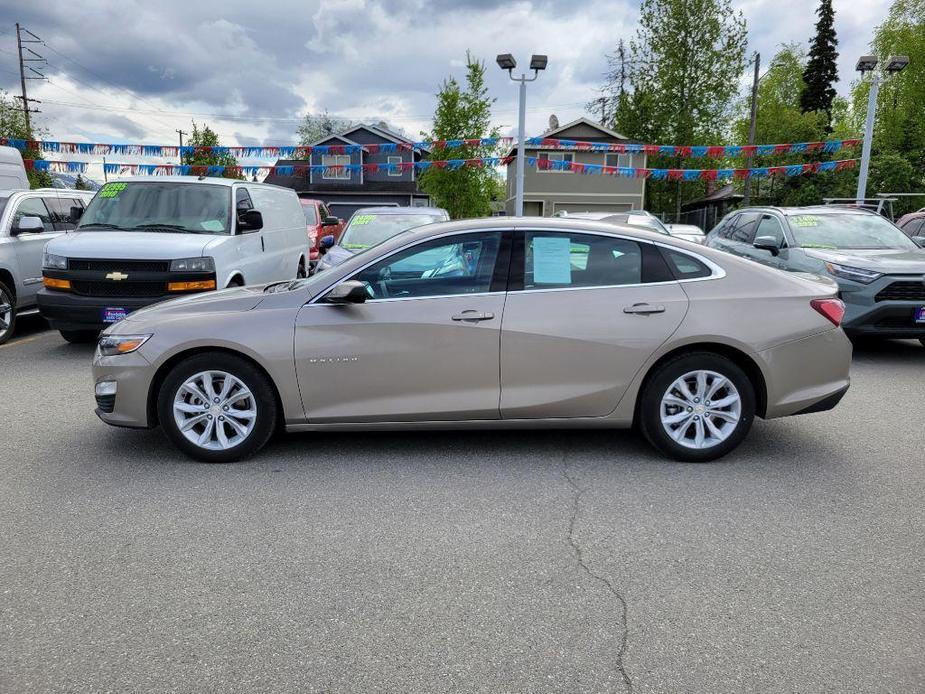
(201, 264)
(50, 261)
(113, 345)
(855, 274)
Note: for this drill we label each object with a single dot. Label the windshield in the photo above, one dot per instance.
(367, 230)
(846, 232)
(198, 208)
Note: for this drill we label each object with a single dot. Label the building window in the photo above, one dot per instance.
(621, 160)
(396, 161)
(330, 160)
(544, 158)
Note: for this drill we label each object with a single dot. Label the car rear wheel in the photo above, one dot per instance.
(217, 408)
(697, 407)
(7, 313)
(80, 337)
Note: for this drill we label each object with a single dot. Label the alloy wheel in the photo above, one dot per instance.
(215, 410)
(701, 409)
(6, 314)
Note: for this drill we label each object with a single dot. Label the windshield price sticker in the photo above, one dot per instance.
(804, 220)
(362, 219)
(111, 190)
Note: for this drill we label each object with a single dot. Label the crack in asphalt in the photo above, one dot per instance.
(602, 580)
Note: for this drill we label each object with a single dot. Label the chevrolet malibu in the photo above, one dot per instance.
(486, 324)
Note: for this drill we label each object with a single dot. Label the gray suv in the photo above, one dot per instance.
(28, 220)
(880, 271)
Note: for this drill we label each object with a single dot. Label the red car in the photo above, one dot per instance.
(319, 222)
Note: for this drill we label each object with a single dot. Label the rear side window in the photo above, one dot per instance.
(684, 266)
(915, 227)
(558, 260)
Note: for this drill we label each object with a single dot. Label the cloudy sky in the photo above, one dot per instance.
(132, 71)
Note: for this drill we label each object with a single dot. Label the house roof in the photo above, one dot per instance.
(726, 193)
(585, 121)
(345, 140)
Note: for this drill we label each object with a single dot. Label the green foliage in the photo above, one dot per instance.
(13, 125)
(80, 183)
(462, 112)
(821, 71)
(317, 126)
(205, 137)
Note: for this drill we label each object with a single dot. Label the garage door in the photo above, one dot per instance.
(592, 206)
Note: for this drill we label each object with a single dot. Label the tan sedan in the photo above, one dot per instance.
(486, 324)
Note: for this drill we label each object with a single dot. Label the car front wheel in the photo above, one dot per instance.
(7, 313)
(217, 407)
(697, 407)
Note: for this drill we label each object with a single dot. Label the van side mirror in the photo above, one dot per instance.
(28, 225)
(326, 241)
(768, 243)
(330, 222)
(76, 213)
(250, 220)
(347, 292)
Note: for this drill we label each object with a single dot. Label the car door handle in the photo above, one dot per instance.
(643, 309)
(474, 316)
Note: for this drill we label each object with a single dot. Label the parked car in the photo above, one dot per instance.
(879, 270)
(370, 226)
(28, 220)
(913, 224)
(532, 323)
(149, 239)
(319, 222)
(688, 232)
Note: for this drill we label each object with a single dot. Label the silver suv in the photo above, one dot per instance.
(28, 220)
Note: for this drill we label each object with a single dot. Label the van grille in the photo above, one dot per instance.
(125, 289)
(902, 291)
(118, 265)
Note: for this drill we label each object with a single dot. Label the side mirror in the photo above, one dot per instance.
(330, 222)
(326, 241)
(29, 225)
(76, 214)
(768, 243)
(347, 292)
(251, 220)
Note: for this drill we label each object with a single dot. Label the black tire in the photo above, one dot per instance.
(922, 340)
(7, 326)
(657, 386)
(255, 381)
(80, 337)
(300, 273)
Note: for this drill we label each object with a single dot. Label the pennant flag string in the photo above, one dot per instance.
(305, 151)
(541, 164)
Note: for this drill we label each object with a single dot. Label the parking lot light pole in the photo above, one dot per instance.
(868, 63)
(507, 62)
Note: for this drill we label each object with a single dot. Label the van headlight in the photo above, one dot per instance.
(202, 264)
(113, 345)
(50, 261)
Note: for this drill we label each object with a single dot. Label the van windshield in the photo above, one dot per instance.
(193, 208)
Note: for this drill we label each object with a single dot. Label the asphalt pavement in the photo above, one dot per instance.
(460, 562)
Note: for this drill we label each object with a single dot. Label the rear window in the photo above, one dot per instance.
(685, 267)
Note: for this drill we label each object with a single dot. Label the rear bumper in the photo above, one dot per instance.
(66, 311)
(807, 375)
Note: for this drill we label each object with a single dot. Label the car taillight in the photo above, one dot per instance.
(833, 309)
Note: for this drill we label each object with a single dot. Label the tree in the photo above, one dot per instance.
(462, 113)
(205, 137)
(821, 71)
(13, 125)
(80, 183)
(317, 126)
(685, 65)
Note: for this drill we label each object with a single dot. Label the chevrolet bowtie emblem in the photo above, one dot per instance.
(117, 276)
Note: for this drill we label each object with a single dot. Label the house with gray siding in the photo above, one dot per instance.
(548, 191)
(345, 191)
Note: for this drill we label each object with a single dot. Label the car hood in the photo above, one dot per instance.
(885, 260)
(226, 300)
(136, 245)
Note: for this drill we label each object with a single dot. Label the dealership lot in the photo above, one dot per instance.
(525, 561)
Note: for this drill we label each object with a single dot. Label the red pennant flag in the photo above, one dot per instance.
(676, 174)
(781, 149)
(741, 174)
(777, 171)
(682, 151)
(708, 175)
(716, 151)
(650, 149)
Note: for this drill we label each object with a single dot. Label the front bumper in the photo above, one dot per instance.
(66, 311)
(132, 374)
(888, 319)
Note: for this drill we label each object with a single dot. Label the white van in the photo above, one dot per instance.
(12, 170)
(147, 239)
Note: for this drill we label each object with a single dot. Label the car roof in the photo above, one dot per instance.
(385, 209)
(208, 180)
(809, 209)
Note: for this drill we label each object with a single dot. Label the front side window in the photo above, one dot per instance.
(769, 226)
(558, 260)
(195, 208)
(744, 231)
(335, 167)
(460, 264)
(847, 231)
(545, 159)
(32, 207)
(365, 230)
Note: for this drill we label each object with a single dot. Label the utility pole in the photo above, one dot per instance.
(752, 126)
(181, 133)
(30, 57)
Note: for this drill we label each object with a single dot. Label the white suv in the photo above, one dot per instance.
(28, 220)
